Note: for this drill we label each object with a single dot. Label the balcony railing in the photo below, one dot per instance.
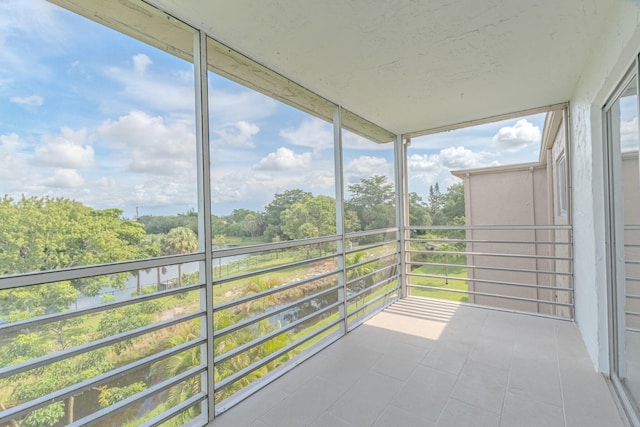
(171, 346)
(146, 353)
(520, 268)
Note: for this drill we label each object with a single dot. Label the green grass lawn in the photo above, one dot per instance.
(451, 283)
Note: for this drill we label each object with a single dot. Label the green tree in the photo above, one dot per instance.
(179, 240)
(418, 211)
(311, 217)
(53, 233)
(373, 200)
(453, 203)
(279, 204)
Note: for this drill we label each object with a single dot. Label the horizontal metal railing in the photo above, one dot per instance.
(496, 266)
(631, 252)
(331, 312)
(38, 325)
(318, 299)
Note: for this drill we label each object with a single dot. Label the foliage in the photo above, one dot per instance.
(447, 208)
(109, 396)
(280, 203)
(41, 234)
(373, 201)
(125, 319)
(164, 224)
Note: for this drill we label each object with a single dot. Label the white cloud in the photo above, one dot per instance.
(140, 63)
(63, 178)
(27, 23)
(11, 160)
(239, 134)
(427, 169)
(313, 132)
(459, 158)
(629, 134)
(151, 144)
(241, 105)
(167, 92)
(367, 166)
(28, 101)
(514, 138)
(424, 162)
(68, 150)
(283, 159)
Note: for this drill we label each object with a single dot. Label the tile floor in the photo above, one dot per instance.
(430, 363)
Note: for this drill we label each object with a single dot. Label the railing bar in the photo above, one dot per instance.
(374, 286)
(372, 232)
(631, 245)
(267, 247)
(632, 329)
(183, 406)
(271, 291)
(494, 308)
(370, 260)
(109, 410)
(273, 356)
(491, 295)
(369, 247)
(632, 313)
(478, 267)
(632, 262)
(57, 317)
(632, 296)
(270, 269)
(491, 254)
(491, 227)
(260, 340)
(519, 242)
(81, 272)
(359, 319)
(94, 345)
(372, 301)
(632, 279)
(373, 273)
(496, 282)
(631, 227)
(62, 394)
(246, 322)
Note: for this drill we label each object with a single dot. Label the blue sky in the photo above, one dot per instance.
(93, 115)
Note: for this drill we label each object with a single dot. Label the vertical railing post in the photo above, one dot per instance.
(402, 208)
(341, 242)
(204, 209)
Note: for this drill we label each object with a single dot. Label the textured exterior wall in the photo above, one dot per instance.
(610, 59)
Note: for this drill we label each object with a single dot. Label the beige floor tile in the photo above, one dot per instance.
(329, 420)
(493, 353)
(461, 414)
(308, 403)
(448, 356)
(365, 400)
(426, 363)
(252, 408)
(425, 393)
(481, 385)
(396, 417)
(535, 379)
(524, 412)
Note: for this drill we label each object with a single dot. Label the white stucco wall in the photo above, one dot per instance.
(610, 59)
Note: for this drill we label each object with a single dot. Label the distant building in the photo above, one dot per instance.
(529, 194)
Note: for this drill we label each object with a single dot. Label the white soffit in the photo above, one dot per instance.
(410, 65)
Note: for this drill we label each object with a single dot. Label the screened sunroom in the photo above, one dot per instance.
(319, 213)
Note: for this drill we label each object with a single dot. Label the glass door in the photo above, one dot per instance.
(621, 114)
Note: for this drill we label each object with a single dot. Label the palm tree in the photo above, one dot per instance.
(179, 240)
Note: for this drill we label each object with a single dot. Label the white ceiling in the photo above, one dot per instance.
(412, 65)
